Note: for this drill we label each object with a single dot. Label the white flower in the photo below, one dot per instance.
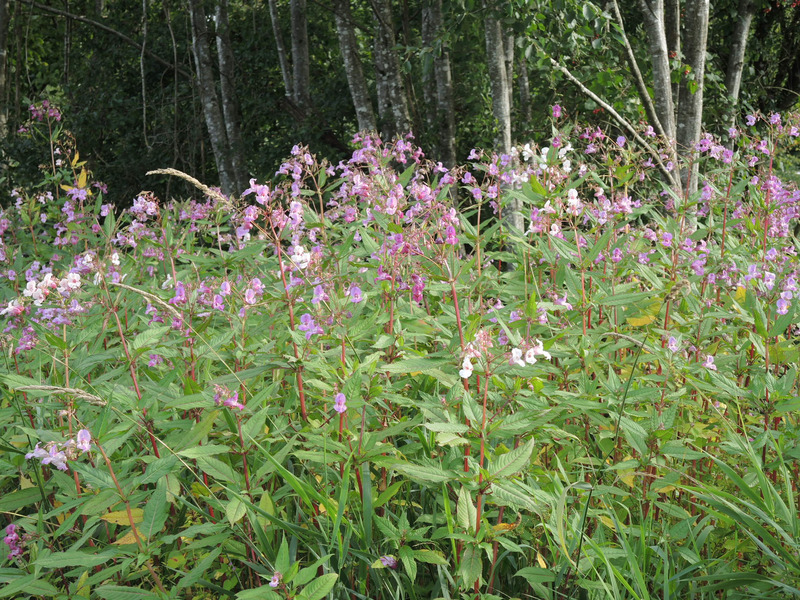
(530, 356)
(115, 259)
(516, 357)
(466, 368)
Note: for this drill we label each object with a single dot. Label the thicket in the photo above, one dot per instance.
(343, 385)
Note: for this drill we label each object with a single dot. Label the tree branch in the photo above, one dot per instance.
(122, 36)
(620, 119)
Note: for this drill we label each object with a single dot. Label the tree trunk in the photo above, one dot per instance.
(4, 26)
(653, 17)
(733, 76)
(208, 97)
(438, 89)
(501, 109)
(283, 58)
(300, 60)
(230, 102)
(672, 29)
(508, 46)
(388, 67)
(429, 32)
(690, 117)
(524, 90)
(352, 66)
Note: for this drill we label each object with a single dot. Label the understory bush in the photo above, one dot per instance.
(360, 381)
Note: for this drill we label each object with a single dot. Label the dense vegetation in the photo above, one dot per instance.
(341, 385)
(134, 100)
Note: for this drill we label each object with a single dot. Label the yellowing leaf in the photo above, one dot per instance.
(128, 538)
(120, 517)
(740, 294)
(75, 159)
(81, 177)
(629, 480)
(540, 560)
(505, 527)
(608, 522)
(640, 321)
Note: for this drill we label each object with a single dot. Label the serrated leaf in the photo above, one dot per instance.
(71, 558)
(146, 338)
(29, 584)
(447, 427)
(319, 588)
(511, 462)
(471, 566)
(155, 511)
(429, 474)
(466, 513)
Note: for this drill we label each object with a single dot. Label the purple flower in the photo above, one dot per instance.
(339, 403)
(621, 141)
(309, 325)
(12, 541)
(84, 440)
(355, 294)
(389, 561)
(672, 344)
(709, 363)
(276, 579)
(556, 111)
(249, 296)
(217, 303)
(225, 288)
(751, 120)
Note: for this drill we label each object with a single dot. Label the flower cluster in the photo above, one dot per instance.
(58, 454)
(12, 540)
(225, 397)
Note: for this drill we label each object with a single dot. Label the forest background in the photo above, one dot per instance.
(223, 90)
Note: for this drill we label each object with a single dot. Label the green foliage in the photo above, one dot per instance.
(332, 388)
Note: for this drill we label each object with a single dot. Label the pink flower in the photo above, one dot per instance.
(339, 403)
(84, 440)
(709, 363)
(355, 294)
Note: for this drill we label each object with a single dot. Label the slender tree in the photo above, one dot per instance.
(207, 89)
(229, 99)
(441, 105)
(348, 44)
(283, 57)
(4, 96)
(300, 56)
(392, 101)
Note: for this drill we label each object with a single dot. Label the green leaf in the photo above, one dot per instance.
(71, 558)
(155, 511)
(235, 510)
(145, 338)
(319, 588)
(416, 365)
(117, 592)
(466, 513)
(29, 584)
(195, 574)
(447, 427)
(511, 462)
(409, 564)
(470, 568)
(536, 575)
(422, 473)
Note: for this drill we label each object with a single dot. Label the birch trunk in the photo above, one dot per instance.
(524, 90)
(441, 92)
(733, 75)
(230, 102)
(501, 109)
(4, 27)
(653, 17)
(390, 67)
(208, 96)
(283, 58)
(352, 66)
(300, 61)
(690, 116)
(508, 46)
(672, 28)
